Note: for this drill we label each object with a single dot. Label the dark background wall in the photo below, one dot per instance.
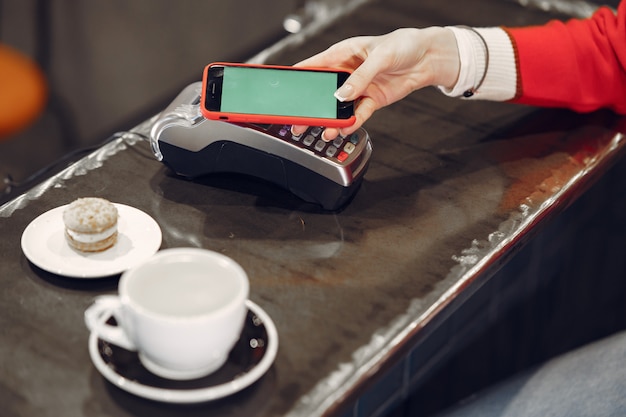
(113, 63)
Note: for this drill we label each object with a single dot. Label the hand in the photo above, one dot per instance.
(387, 68)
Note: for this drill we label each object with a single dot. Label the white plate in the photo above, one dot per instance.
(44, 244)
(249, 360)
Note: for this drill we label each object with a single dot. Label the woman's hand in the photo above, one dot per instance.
(387, 68)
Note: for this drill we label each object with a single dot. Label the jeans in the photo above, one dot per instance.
(588, 381)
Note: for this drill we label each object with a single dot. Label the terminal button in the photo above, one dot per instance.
(349, 147)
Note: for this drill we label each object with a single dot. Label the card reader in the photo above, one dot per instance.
(325, 173)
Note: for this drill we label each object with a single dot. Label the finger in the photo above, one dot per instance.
(364, 111)
(329, 134)
(358, 82)
(298, 129)
(367, 106)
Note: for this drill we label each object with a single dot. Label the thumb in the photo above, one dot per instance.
(357, 83)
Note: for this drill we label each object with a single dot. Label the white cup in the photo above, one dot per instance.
(182, 310)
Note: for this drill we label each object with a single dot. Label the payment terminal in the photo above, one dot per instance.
(325, 173)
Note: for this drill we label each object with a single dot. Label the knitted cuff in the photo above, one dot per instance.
(487, 74)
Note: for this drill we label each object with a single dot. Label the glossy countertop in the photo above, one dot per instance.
(453, 190)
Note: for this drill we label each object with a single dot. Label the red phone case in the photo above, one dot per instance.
(263, 118)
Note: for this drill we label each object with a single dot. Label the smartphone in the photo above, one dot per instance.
(274, 94)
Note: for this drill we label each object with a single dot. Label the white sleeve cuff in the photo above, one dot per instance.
(472, 55)
(500, 83)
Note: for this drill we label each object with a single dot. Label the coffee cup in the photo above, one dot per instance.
(182, 310)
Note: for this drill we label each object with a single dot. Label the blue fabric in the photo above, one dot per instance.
(589, 381)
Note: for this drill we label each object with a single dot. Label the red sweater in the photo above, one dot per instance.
(579, 64)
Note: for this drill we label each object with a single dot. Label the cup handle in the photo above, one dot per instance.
(96, 317)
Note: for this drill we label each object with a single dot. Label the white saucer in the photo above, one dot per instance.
(44, 244)
(251, 357)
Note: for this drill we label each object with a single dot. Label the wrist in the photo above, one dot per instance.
(473, 62)
(487, 65)
(444, 57)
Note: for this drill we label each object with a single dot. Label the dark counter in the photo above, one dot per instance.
(454, 189)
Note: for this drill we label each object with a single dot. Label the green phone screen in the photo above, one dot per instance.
(279, 92)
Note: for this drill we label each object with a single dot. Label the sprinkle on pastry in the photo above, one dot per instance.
(91, 224)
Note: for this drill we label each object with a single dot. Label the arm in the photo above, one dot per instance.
(579, 64)
(584, 68)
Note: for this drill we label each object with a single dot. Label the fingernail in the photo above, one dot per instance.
(344, 92)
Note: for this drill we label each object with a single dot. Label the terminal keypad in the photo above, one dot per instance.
(338, 150)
